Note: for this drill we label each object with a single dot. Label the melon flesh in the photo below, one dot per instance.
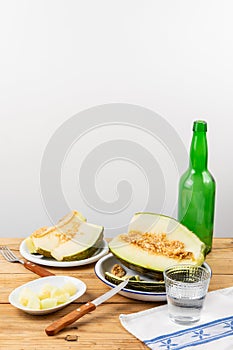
(82, 245)
(47, 297)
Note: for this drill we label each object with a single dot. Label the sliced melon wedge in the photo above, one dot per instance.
(46, 240)
(155, 242)
(71, 239)
(82, 245)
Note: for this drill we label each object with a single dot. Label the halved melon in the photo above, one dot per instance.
(155, 242)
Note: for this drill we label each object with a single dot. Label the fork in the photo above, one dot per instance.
(11, 257)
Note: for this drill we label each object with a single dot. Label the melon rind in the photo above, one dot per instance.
(143, 286)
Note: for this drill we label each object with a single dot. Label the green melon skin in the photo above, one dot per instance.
(79, 252)
(81, 255)
(45, 253)
(150, 264)
(143, 286)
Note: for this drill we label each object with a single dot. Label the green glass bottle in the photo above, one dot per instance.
(196, 200)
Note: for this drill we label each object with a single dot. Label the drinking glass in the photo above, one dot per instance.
(186, 288)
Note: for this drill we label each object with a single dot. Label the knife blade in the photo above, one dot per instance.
(73, 316)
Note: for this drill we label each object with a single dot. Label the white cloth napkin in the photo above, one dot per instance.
(213, 332)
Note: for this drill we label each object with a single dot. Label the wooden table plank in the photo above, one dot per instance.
(89, 329)
(100, 329)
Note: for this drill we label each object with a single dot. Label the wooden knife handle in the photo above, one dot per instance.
(71, 317)
(37, 269)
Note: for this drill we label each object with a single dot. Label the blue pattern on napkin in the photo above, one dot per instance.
(202, 334)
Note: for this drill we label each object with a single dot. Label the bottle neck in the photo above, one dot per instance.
(199, 151)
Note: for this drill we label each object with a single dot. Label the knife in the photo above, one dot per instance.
(72, 316)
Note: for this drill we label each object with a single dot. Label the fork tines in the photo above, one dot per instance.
(7, 253)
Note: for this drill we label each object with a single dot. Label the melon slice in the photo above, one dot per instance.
(83, 244)
(71, 239)
(45, 239)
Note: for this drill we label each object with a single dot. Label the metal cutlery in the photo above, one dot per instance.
(11, 257)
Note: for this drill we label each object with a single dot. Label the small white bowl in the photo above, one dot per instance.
(57, 281)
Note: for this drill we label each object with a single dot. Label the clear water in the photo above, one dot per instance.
(186, 310)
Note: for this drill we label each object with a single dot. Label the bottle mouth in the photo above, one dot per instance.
(199, 125)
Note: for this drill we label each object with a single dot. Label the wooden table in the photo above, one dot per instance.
(100, 329)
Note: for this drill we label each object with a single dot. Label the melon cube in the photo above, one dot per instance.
(45, 291)
(25, 295)
(70, 288)
(56, 292)
(48, 303)
(63, 298)
(33, 302)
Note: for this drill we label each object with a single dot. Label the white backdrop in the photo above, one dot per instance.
(58, 58)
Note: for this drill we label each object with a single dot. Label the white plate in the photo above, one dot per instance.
(57, 281)
(106, 263)
(54, 263)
